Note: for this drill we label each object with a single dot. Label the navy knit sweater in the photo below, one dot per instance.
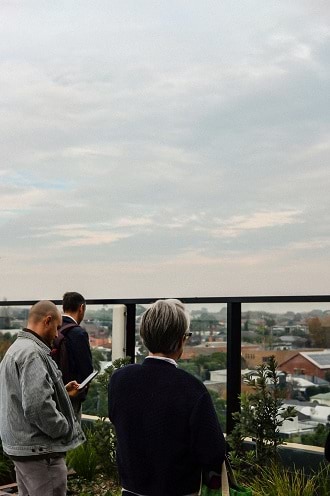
(167, 429)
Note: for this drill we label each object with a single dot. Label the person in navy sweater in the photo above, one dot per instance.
(168, 433)
(80, 363)
(327, 448)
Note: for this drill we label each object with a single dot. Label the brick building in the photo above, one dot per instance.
(311, 363)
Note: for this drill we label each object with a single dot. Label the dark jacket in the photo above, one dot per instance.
(167, 429)
(327, 448)
(79, 353)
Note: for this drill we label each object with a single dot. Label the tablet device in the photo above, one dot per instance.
(87, 380)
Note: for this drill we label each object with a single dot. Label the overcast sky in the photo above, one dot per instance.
(164, 148)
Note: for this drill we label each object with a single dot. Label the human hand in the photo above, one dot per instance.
(72, 388)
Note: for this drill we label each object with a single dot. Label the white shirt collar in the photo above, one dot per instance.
(69, 316)
(169, 360)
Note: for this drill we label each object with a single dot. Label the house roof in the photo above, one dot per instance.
(321, 396)
(319, 358)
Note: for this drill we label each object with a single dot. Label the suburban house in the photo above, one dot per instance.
(311, 363)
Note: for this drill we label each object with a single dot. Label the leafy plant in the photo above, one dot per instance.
(84, 459)
(322, 480)
(276, 480)
(103, 379)
(6, 465)
(100, 447)
(317, 438)
(104, 443)
(262, 414)
(104, 436)
(97, 399)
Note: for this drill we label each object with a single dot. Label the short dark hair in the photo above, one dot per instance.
(163, 326)
(72, 301)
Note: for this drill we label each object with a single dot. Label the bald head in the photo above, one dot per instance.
(45, 320)
(41, 310)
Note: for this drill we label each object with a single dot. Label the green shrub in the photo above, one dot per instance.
(261, 415)
(276, 480)
(322, 480)
(6, 466)
(103, 441)
(84, 460)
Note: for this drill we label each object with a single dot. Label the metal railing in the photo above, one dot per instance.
(234, 311)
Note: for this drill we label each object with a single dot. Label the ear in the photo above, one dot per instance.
(48, 319)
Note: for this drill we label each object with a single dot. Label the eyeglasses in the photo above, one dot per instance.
(187, 335)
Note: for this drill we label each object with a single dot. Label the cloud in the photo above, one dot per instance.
(166, 138)
(17, 201)
(237, 225)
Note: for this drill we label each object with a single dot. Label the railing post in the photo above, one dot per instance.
(234, 312)
(130, 331)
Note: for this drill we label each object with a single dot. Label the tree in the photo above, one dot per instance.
(5, 341)
(201, 365)
(97, 358)
(262, 414)
(314, 390)
(317, 438)
(96, 402)
(316, 332)
(220, 408)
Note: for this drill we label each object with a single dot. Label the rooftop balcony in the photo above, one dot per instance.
(308, 457)
(232, 345)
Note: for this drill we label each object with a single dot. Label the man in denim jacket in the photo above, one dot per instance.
(37, 423)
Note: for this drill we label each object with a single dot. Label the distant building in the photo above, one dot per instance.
(321, 399)
(312, 363)
(254, 356)
(289, 342)
(97, 334)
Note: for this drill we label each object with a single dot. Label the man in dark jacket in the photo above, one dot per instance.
(80, 363)
(327, 448)
(167, 429)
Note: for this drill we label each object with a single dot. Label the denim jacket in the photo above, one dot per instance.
(36, 415)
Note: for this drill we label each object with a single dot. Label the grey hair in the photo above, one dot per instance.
(164, 325)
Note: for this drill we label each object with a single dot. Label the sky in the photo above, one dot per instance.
(164, 148)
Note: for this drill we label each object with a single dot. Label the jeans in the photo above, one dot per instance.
(46, 477)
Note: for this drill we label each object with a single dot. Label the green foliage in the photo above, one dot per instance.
(220, 408)
(101, 438)
(96, 402)
(6, 340)
(314, 390)
(317, 334)
(103, 441)
(83, 459)
(201, 365)
(276, 480)
(6, 465)
(97, 357)
(317, 438)
(103, 379)
(101, 486)
(261, 415)
(103, 315)
(322, 480)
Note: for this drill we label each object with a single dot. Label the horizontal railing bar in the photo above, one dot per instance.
(188, 300)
